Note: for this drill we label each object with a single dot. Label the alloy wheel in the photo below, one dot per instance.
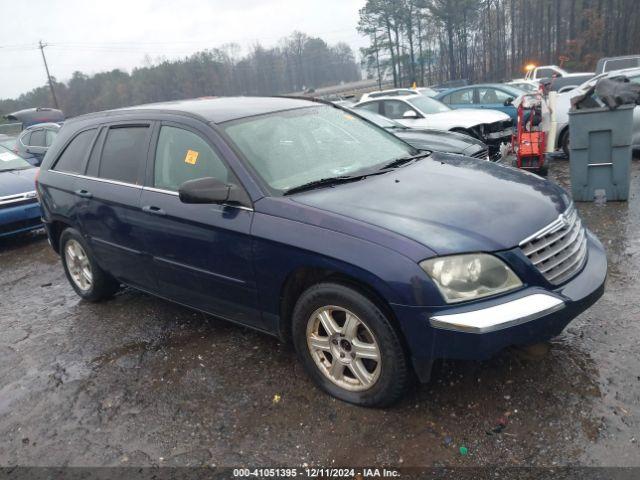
(78, 265)
(344, 348)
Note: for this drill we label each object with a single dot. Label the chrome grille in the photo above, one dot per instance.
(559, 250)
(18, 199)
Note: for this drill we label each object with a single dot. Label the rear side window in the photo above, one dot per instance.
(372, 107)
(182, 155)
(461, 97)
(124, 153)
(395, 109)
(72, 159)
(37, 139)
(26, 139)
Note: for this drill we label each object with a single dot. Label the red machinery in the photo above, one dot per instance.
(530, 141)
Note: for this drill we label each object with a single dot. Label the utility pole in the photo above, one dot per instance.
(375, 45)
(46, 67)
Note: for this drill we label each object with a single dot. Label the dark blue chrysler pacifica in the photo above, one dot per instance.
(310, 223)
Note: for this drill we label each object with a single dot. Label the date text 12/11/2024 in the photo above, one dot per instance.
(317, 472)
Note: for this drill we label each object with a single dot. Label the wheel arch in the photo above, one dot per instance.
(55, 229)
(563, 131)
(303, 278)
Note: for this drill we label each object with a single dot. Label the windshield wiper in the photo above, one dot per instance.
(402, 160)
(324, 182)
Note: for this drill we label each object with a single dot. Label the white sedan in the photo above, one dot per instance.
(418, 111)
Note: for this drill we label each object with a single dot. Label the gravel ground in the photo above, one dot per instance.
(139, 381)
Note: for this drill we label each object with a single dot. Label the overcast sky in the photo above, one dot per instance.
(98, 36)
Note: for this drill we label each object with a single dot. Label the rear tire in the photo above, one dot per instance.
(348, 346)
(86, 277)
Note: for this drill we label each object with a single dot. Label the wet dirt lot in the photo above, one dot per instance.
(140, 381)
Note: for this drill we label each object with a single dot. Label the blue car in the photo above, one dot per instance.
(490, 96)
(308, 223)
(19, 208)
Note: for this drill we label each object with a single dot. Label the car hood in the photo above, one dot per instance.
(448, 203)
(440, 140)
(461, 118)
(17, 181)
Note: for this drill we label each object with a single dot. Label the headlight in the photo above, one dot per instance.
(470, 276)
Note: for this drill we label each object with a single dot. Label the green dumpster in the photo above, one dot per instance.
(600, 152)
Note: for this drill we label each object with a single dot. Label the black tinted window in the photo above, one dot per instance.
(37, 138)
(124, 152)
(72, 159)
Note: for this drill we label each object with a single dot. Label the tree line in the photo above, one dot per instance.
(299, 62)
(432, 41)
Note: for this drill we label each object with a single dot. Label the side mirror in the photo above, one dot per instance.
(206, 190)
(410, 114)
(508, 101)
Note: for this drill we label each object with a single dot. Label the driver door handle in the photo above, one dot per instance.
(153, 210)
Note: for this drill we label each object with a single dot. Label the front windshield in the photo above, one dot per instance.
(428, 105)
(294, 147)
(11, 161)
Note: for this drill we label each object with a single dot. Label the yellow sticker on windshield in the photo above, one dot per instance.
(191, 157)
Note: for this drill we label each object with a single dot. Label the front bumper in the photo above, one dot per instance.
(22, 218)
(480, 329)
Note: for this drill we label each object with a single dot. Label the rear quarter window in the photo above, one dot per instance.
(73, 156)
(38, 138)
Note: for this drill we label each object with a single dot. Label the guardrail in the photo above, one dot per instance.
(10, 128)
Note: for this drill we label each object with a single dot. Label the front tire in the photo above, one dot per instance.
(86, 277)
(349, 347)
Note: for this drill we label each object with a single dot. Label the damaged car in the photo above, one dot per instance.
(418, 111)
